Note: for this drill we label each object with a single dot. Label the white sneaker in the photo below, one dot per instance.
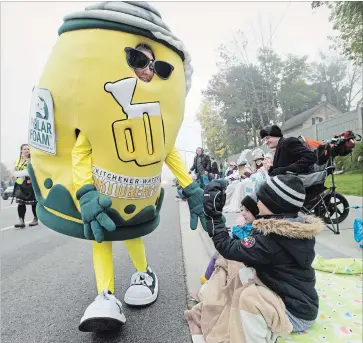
(104, 314)
(143, 289)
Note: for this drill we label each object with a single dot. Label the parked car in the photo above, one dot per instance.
(8, 192)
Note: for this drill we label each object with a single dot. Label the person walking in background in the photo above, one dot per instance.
(201, 167)
(23, 189)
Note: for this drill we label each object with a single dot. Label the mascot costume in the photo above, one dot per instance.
(99, 136)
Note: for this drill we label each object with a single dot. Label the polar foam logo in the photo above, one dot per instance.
(41, 125)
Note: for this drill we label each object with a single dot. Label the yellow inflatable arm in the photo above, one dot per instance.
(82, 162)
(176, 165)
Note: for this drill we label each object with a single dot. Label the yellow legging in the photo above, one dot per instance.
(103, 263)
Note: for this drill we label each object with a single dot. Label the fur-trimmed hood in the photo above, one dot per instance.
(306, 227)
(294, 235)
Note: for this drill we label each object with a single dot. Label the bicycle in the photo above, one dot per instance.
(319, 198)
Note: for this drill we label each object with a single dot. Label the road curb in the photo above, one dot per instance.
(207, 241)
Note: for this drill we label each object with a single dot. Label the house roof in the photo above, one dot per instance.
(302, 117)
(350, 112)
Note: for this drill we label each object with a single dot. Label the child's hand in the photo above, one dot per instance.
(214, 199)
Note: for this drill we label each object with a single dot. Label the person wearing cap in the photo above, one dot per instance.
(231, 169)
(290, 155)
(280, 248)
(244, 169)
(258, 158)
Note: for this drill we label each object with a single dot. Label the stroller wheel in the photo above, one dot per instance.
(327, 209)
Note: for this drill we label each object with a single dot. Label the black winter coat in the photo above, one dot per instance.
(292, 156)
(206, 163)
(281, 251)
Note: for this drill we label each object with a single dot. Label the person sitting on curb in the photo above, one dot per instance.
(280, 248)
(290, 155)
(231, 169)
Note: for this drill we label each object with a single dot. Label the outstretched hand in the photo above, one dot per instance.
(194, 195)
(214, 199)
(93, 211)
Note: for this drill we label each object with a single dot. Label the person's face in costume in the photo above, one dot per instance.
(147, 73)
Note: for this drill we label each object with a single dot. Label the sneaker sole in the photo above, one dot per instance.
(101, 324)
(135, 302)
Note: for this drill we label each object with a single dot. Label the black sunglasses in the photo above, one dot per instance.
(136, 59)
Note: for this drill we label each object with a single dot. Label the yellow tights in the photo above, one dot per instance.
(103, 264)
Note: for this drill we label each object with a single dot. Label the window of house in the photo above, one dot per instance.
(317, 120)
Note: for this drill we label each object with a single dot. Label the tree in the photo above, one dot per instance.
(270, 65)
(354, 85)
(238, 93)
(5, 172)
(213, 128)
(330, 78)
(295, 94)
(295, 98)
(347, 19)
(247, 96)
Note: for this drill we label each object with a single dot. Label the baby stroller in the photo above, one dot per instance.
(321, 201)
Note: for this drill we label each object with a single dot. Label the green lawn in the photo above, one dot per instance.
(348, 183)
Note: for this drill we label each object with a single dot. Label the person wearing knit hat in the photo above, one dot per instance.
(290, 154)
(279, 248)
(249, 211)
(282, 194)
(249, 202)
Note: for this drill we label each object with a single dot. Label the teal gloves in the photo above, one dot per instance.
(194, 195)
(93, 211)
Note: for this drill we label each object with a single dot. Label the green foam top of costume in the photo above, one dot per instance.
(83, 24)
(139, 18)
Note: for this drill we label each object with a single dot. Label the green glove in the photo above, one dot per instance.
(93, 211)
(194, 195)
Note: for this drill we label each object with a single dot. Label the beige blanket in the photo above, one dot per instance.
(235, 307)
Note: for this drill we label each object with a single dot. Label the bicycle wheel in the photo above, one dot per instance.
(327, 209)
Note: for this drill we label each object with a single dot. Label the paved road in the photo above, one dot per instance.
(48, 281)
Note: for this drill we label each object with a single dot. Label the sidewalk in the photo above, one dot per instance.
(198, 248)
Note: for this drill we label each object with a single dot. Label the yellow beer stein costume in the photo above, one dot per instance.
(99, 137)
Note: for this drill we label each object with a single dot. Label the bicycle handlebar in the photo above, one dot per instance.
(355, 136)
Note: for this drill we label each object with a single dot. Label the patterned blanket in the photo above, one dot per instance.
(339, 285)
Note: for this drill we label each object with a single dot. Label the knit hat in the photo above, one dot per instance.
(250, 202)
(272, 131)
(282, 194)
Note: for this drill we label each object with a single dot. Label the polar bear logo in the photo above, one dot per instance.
(41, 109)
